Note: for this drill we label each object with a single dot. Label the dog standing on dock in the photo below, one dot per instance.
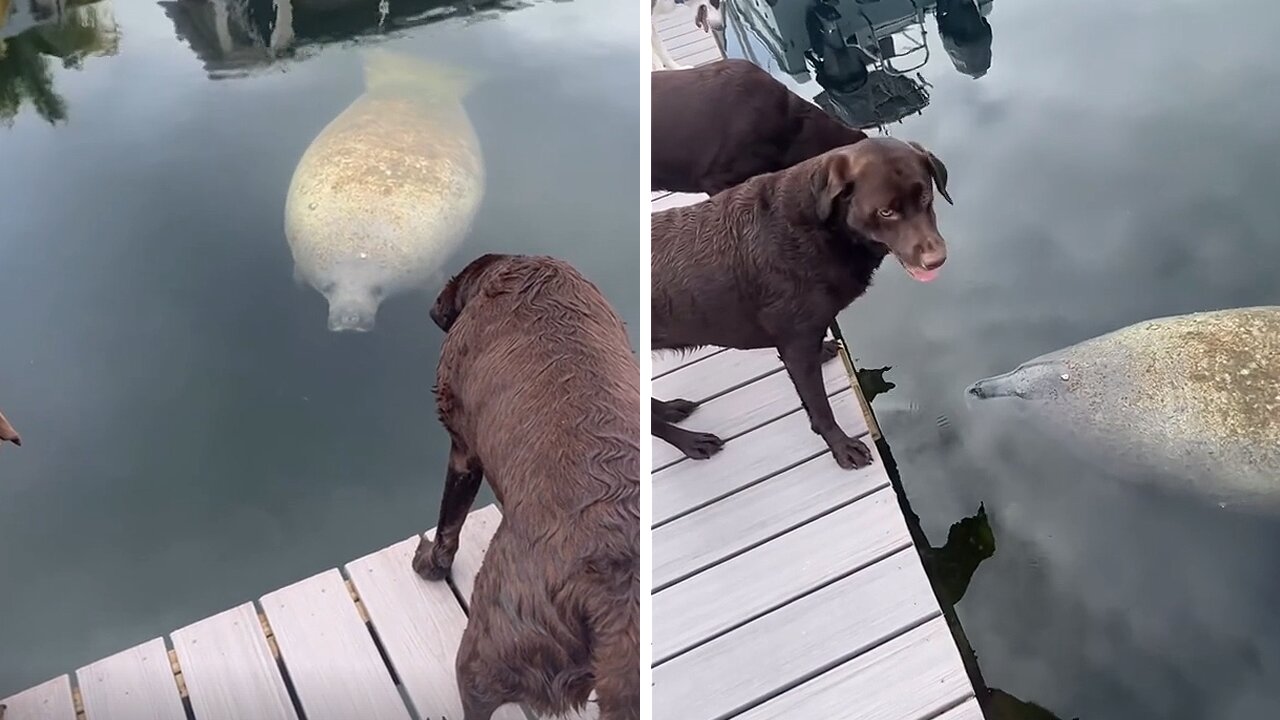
(540, 393)
(7, 433)
(706, 17)
(771, 262)
(698, 147)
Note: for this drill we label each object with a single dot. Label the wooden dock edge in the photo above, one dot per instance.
(919, 540)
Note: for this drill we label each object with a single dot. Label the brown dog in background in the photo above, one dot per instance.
(717, 125)
(7, 433)
(771, 262)
(540, 393)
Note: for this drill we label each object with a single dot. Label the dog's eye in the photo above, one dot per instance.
(886, 213)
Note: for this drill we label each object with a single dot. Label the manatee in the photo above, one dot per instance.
(1194, 399)
(387, 191)
(7, 433)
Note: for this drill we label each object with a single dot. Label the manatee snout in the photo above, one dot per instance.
(1040, 379)
(349, 316)
(981, 390)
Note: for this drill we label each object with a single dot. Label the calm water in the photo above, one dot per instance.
(194, 435)
(1118, 161)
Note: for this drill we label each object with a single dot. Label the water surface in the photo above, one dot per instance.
(194, 436)
(1116, 162)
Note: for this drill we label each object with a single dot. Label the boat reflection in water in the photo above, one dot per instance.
(234, 38)
(866, 57)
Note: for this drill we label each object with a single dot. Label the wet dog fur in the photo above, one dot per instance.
(539, 391)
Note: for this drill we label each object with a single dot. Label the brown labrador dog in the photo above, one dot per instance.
(540, 392)
(771, 262)
(719, 124)
(7, 433)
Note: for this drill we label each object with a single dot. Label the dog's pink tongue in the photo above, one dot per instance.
(922, 275)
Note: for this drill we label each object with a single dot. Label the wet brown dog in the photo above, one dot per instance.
(771, 262)
(717, 125)
(7, 433)
(540, 393)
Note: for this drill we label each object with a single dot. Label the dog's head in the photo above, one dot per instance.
(708, 15)
(881, 189)
(453, 299)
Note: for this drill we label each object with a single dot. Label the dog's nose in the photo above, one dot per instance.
(933, 259)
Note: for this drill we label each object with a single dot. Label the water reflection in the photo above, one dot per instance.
(951, 567)
(234, 38)
(33, 33)
(865, 56)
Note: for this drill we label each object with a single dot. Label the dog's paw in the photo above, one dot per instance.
(700, 446)
(851, 453)
(673, 411)
(426, 564)
(830, 350)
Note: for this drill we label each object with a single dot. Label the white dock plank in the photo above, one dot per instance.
(915, 675)
(749, 407)
(715, 600)
(731, 369)
(420, 624)
(50, 700)
(136, 684)
(969, 710)
(666, 361)
(788, 441)
(331, 658)
(229, 670)
(702, 57)
(676, 200)
(756, 515)
(477, 533)
(842, 620)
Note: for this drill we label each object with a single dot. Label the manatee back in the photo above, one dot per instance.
(1197, 394)
(392, 181)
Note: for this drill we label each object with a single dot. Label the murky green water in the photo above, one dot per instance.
(1116, 162)
(194, 436)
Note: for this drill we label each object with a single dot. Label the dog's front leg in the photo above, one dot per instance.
(803, 361)
(461, 483)
(695, 445)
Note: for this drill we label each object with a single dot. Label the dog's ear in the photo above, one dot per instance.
(831, 178)
(700, 18)
(936, 169)
(452, 300)
(445, 311)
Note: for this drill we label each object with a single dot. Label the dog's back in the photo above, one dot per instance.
(548, 394)
(717, 125)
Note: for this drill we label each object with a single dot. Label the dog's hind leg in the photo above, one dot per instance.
(802, 358)
(616, 666)
(673, 411)
(432, 560)
(477, 674)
